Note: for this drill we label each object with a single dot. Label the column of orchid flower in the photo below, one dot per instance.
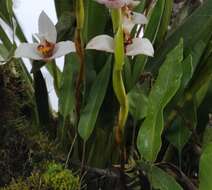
(80, 52)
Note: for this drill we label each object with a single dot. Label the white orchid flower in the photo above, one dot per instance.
(135, 47)
(47, 49)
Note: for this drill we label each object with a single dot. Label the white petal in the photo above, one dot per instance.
(63, 48)
(138, 18)
(28, 51)
(128, 24)
(140, 46)
(46, 28)
(132, 3)
(101, 43)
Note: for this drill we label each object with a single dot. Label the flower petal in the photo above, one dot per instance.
(138, 18)
(132, 3)
(46, 28)
(63, 48)
(140, 46)
(28, 51)
(101, 43)
(128, 24)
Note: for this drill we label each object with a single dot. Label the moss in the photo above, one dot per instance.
(59, 178)
(54, 177)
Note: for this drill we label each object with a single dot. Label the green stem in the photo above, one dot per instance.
(118, 84)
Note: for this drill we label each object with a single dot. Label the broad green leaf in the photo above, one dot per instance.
(98, 156)
(205, 168)
(138, 103)
(150, 33)
(66, 97)
(207, 138)
(161, 180)
(97, 93)
(67, 94)
(94, 13)
(179, 134)
(165, 87)
(188, 71)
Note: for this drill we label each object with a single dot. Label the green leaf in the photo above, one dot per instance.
(205, 168)
(138, 103)
(63, 6)
(165, 21)
(207, 138)
(66, 101)
(4, 38)
(56, 74)
(201, 18)
(178, 135)
(150, 32)
(95, 13)
(161, 180)
(41, 98)
(66, 95)
(90, 112)
(65, 27)
(9, 4)
(127, 73)
(4, 11)
(165, 87)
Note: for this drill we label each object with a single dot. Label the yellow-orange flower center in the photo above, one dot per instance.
(46, 48)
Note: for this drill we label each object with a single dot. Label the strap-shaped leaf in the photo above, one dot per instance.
(42, 101)
(94, 13)
(162, 181)
(90, 112)
(66, 95)
(205, 172)
(165, 87)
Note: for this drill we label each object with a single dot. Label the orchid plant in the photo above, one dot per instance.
(48, 48)
(135, 105)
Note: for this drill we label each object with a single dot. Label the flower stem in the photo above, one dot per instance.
(80, 52)
(118, 84)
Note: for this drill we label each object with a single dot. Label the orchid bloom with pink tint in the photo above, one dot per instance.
(135, 47)
(47, 49)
